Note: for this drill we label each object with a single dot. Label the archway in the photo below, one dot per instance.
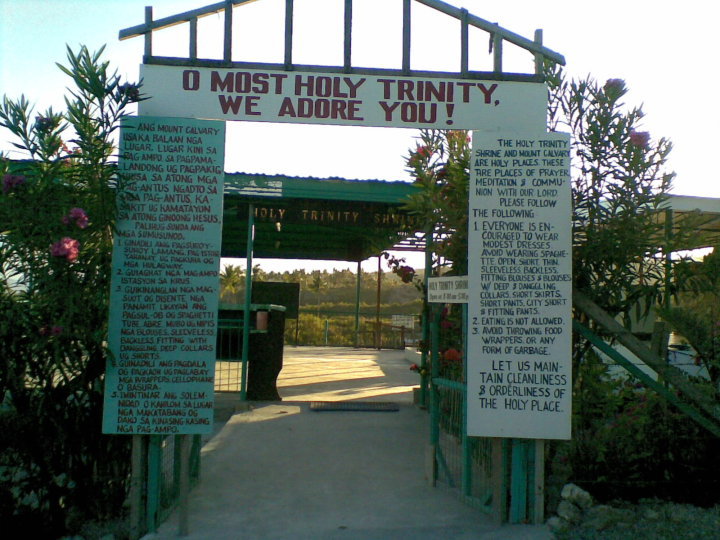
(223, 89)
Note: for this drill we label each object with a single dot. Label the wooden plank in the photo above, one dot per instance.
(184, 487)
(539, 61)
(670, 373)
(137, 474)
(497, 52)
(708, 423)
(507, 35)
(519, 481)
(406, 30)
(154, 472)
(180, 18)
(347, 37)
(464, 42)
(193, 38)
(227, 32)
(288, 33)
(148, 35)
(539, 484)
(499, 494)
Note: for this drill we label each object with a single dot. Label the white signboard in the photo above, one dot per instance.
(448, 290)
(164, 295)
(408, 321)
(519, 335)
(341, 99)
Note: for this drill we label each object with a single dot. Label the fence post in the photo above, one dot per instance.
(153, 481)
(499, 485)
(138, 468)
(184, 485)
(539, 483)
(466, 481)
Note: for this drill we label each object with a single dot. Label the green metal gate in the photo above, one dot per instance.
(501, 477)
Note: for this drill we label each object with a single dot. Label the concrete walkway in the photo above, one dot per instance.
(282, 471)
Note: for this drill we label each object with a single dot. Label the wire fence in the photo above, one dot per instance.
(464, 463)
(340, 330)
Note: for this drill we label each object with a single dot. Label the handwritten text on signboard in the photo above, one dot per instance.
(520, 284)
(163, 303)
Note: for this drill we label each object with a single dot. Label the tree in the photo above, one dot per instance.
(316, 285)
(232, 280)
(57, 213)
(697, 317)
(619, 185)
(440, 165)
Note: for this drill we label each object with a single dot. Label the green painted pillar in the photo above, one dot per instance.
(466, 481)
(425, 323)
(153, 481)
(248, 297)
(358, 280)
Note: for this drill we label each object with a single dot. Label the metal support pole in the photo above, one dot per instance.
(138, 467)
(153, 482)
(248, 297)
(378, 335)
(434, 393)
(668, 257)
(425, 324)
(184, 485)
(227, 32)
(519, 480)
(358, 279)
(347, 38)
(288, 34)
(148, 34)
(466, 481)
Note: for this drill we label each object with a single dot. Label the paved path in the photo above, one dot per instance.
(282, 471)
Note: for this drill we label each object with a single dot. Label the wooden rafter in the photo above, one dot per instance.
(498, 35)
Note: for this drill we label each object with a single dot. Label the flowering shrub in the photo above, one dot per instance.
(67, 247)
(56, 468)
(440, 166)
(406, 273)
(642, 447)
(78, 217)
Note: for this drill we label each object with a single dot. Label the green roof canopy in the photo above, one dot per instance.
(313, 218)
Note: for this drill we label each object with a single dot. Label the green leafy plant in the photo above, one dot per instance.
(619, 184)
(440, 166)
(57, 211)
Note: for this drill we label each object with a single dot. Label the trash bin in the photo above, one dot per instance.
(265, 351)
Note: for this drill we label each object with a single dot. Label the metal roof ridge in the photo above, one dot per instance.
(327, 178)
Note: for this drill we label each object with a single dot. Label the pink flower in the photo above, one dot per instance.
(423, 151)
(12, 181)
(66, 247)
(640, 138)
(77, 215)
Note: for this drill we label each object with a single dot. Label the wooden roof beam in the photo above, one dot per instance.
(493, 28)
(180, 18)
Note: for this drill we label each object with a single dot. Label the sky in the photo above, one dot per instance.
(660, 48)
